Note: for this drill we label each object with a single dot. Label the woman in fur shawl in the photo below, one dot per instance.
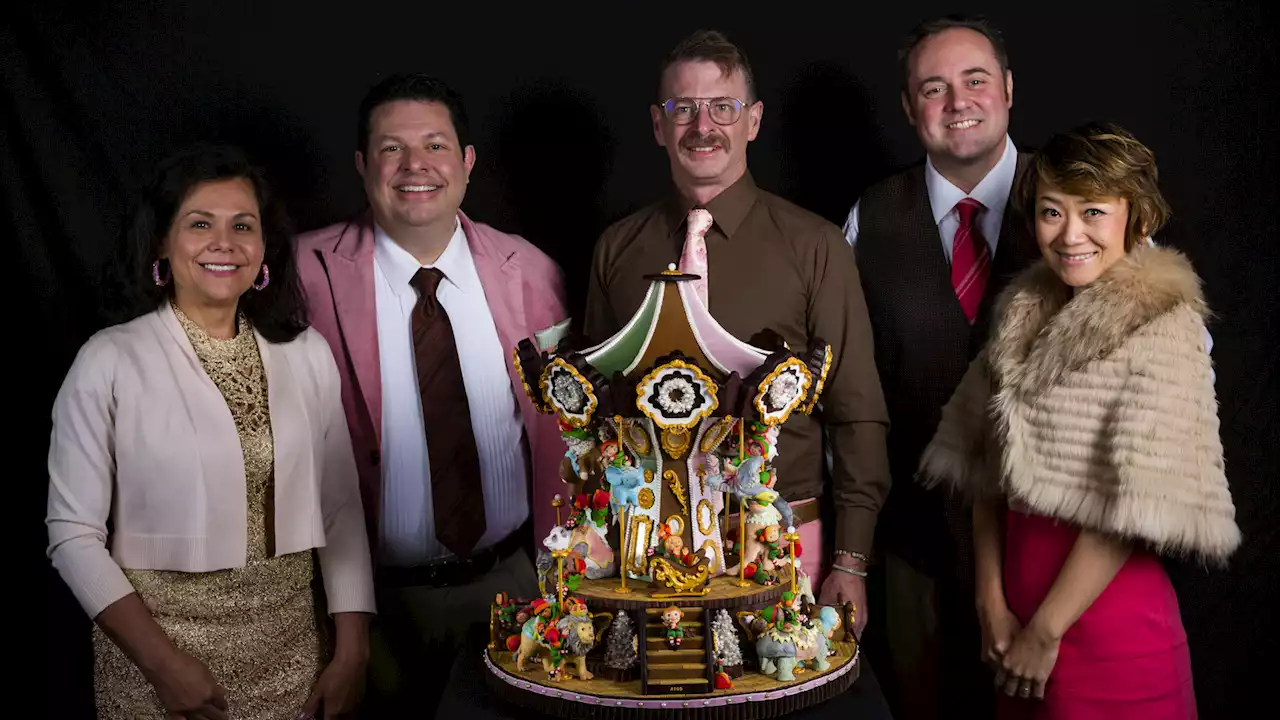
(1086, 436)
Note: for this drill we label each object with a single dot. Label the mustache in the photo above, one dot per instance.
(697, 139)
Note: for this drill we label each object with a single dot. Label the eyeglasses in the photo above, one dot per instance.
(723, 110)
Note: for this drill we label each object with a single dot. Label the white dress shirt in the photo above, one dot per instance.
(408, 521)
(993, 192)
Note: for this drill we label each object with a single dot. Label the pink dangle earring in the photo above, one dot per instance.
(266, 278)
(155, 274)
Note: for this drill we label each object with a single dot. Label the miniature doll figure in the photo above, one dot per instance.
(574, 606)
(673, 549)
(609, 453)
(671, 618)
(582, 462)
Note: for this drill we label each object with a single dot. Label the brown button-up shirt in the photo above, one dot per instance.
(772, 265)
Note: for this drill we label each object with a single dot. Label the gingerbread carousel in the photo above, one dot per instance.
(673, 580)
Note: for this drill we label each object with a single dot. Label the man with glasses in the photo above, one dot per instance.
(763, 263)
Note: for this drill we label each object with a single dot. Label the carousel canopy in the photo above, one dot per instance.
(674, 364)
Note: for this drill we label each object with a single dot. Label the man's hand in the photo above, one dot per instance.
(841, 587)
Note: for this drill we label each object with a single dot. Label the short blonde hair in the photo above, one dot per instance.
(1099, 160)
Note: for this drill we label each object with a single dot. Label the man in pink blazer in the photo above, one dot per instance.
(423, 308)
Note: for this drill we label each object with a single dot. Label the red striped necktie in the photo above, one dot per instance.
(970, 259)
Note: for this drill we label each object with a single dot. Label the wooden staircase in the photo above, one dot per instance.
(676, 672)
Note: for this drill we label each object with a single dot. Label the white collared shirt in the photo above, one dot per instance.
(993, 192)
(407, 518)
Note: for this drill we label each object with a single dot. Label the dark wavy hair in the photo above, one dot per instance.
(278, 311)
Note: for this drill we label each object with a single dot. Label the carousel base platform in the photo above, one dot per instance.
(752, 697)
(688, 694)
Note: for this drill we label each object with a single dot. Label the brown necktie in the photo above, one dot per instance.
(456, 490)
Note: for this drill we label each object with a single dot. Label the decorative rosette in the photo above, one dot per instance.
(676, 394)
(529, 363)
(569, 393)
(783, 388)
(819, 357)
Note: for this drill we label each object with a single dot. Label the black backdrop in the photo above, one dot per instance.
(558, 94)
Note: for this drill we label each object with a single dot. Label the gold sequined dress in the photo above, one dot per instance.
(256, 627)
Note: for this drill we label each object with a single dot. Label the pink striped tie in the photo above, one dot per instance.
(970, 259)
(693, 259)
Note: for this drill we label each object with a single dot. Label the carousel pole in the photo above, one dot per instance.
(728, 497)
(625, 555)
(791, 537)
(557, 502)
(560, 556)
(742, 505)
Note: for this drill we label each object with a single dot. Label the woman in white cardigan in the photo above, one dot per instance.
(1086, 435)
(200, 466)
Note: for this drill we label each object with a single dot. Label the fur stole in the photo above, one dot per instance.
(1097, 409)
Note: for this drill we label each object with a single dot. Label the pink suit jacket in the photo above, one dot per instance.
(525, 291)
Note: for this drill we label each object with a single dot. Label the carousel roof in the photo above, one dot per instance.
(624, 351)
(673, 363)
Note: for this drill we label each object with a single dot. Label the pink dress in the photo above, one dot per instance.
(1126, 657)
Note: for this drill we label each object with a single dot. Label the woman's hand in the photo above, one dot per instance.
(188, 690)
(1092, 564)
(341, 685)
(1028, 663)
(184, 685)
(339, 689)
(999, 628)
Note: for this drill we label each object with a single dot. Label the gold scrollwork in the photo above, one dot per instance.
(646, 498)
(675, 442)
(682, 582)
(706, 524)
(676, 489)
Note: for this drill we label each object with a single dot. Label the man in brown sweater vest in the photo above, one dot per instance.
(935, 244)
